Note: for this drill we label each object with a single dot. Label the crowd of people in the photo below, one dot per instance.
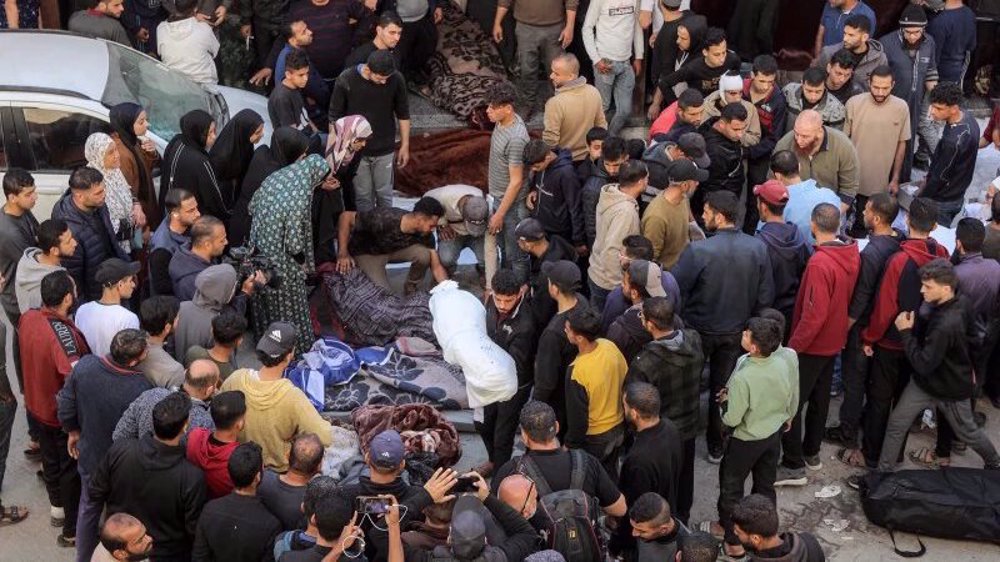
(773, 243)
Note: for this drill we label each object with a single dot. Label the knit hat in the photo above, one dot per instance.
(913, 16)
(730, 82)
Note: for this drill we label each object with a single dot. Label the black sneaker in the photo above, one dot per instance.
(66, 542)
(855, 481)
(714, 455)
(835, 435)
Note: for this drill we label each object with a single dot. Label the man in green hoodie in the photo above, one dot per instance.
(762, 379)
(617, 217)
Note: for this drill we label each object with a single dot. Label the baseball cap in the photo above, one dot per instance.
(475, 212)
(913, 16)
(772, 191)
(114, 270)
(468, 528)
(685, 170)
(386, 449)
(693, 146)
(563, 274)
(648, 275)
(530, 229)
(278, 339)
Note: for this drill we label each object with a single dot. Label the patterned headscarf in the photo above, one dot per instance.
(119, 194)
(348, 129)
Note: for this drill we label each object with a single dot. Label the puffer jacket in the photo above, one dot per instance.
(673, 365)
(589, 194)
(789, 253)
(910, 73)
(617, 217)
(829, 107)
(184, 269)
(95, 244)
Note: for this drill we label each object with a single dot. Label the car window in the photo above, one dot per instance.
(3, 151)
(166, 95)
(58, 137)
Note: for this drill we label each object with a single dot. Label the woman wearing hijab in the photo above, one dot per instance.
(232, 151)
(126, 215)
(337, 194)
(138, 156)
(287, 146)
(281, 230)
(186, 165)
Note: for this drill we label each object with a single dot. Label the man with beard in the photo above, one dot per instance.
(857, 39)
(825, 154)
(513, 329)
(613, 155)
(755, 521)
(123, 538)
(840, 82)
(541, 249)
(834, 18)
(172, 234)
(660, 535)
(875, 122)
(388, 31)
(912, 56)
(666, 220)
(722, 145)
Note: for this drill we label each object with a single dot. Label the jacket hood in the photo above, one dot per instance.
(613, 198)
(657, 153)
(874, 51)
(920, 251)
(784, 238)
(680, 344)
(29, 271)
(263, 395)
(215, 286)
(564, 157)
(697, 26)
(560, 249)
(181, 29)
(199, 447)
(159, 456)
(844, 255)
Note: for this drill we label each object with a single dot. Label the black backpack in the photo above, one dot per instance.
(569, 516)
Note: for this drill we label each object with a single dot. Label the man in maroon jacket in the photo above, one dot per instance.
(819, 332)
(898, 292)
(50, 347)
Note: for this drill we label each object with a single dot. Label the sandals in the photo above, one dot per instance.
(12, 514)
(851, 457)
(927, 457)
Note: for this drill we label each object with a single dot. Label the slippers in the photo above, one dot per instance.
(12, 514)
(848, 457)
(927, 457)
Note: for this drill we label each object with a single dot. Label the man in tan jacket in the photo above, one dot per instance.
(617, 218)
(574, 109)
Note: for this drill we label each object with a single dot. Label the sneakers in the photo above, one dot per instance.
(66, 542)
(813, 462)
(855, 481)
(791, 476)
(57, 516)
(836, 435)
(714, 455)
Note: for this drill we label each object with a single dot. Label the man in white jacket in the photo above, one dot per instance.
(188, 45)
(611, 35)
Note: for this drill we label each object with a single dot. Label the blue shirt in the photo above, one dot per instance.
(954, 33)
(833, 20)
(802, 199)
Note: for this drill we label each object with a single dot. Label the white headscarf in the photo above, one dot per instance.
(119, 194)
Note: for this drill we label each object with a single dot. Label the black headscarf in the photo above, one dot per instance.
(194, 129)
(232, 151)
(123, 117)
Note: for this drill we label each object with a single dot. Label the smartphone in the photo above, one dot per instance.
(465, 485)
(371, 505)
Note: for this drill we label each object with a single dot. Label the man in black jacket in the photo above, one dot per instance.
(717, 308)
(940, 355)
(613, 155)
(83, 209)
(654, 462)
(883, 241)
(954, 159)
(152, 479)
(541, 249)
(554, 198)
(511, 326)
(672, 362)
(755, 521)
(238, 526)
(722, 144)
(641, 280)
(659, 532)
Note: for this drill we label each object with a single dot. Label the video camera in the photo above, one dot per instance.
(247, 261)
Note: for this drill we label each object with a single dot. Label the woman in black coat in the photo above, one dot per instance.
(287, 146)
(232, 151)
(186, 165)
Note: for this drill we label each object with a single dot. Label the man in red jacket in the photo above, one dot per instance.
(210, 450)
(50, 346)
(898, 292)
(819, 332)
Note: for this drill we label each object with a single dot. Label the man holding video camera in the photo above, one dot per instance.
(208, 242)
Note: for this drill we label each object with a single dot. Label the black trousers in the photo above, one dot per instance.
(721, 352)
(815, 379)
(889, 376)
(499, 426)
(264, 36)
(62, 480)
(742, 459)
(855, 374)
(751, 28)
(685, 488)
(991, 383)
(417, 45)
(606, 447)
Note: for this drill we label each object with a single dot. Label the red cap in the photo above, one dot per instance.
(772, 191)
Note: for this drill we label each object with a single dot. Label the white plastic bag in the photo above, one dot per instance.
(460, 328)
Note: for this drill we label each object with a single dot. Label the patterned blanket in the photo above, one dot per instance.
(417, 423)
(401, 380)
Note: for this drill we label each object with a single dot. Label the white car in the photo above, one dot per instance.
(56, 88)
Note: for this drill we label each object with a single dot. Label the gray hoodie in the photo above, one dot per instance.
(28, 281)
(617, 217)
(215, 291)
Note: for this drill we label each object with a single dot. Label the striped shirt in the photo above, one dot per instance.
(506, 150)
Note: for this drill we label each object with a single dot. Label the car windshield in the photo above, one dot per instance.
(165, 94)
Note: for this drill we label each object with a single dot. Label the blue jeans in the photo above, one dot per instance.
(513, 257)
(598, 296)
(449, 250)
(88, 520)
(618, 84)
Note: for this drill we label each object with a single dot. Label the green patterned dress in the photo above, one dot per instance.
(281, 229)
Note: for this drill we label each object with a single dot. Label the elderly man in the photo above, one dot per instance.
(826, 155)
(573, 110)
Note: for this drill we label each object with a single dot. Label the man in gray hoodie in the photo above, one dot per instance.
(617, 217)
(857, 39)
(55, 240)
(216, 289)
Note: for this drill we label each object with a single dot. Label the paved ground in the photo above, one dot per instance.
(838, 521)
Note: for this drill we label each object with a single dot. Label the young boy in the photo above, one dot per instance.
(761, 378)
(286, 106)
(595, 142)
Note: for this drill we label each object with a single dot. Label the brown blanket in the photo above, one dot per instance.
(369, 421)
(451, 157)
